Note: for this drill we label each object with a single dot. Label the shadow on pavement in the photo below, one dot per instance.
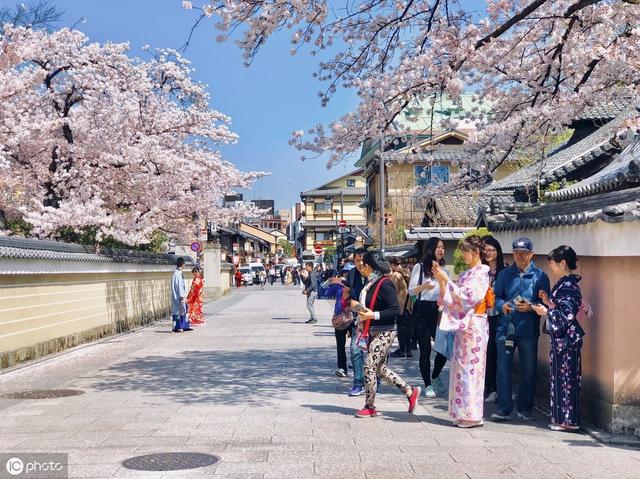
(255, 377)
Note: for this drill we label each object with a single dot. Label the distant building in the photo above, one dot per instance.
(325, 205)
(265, 205)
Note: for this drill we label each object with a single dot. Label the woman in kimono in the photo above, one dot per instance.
(559, 311)
(465, 312)
(194, 299)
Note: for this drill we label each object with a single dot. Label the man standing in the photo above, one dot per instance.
(311, 291)
(178, 294)
(516, 289)
(356, 281)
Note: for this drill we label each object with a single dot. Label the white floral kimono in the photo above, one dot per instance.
(466, 378)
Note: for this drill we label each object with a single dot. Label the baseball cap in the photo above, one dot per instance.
(347, 267)
(522, 243)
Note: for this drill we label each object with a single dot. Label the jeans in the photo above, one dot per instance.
(357, 360)
(310, 300)
(341, 341)
(528, 353)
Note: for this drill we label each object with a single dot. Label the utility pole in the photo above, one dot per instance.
(382, 191)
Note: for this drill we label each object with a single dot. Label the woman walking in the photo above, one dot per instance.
(465, 312)
(194, 298)
(492, 257)
(425, 310)
(378, 309)
(560, 312)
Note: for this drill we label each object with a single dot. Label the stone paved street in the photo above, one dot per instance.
(256, 388)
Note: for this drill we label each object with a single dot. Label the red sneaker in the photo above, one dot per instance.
(413, 399)
(366, 412)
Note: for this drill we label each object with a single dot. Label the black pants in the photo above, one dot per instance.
(438, 363)
(490, 382)
(406, 328)
(426, 321)
(341, 341)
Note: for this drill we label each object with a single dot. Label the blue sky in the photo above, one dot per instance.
(266, 101)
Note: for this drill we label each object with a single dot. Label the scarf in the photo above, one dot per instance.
(373, 277)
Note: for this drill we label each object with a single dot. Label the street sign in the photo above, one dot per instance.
(196, 246)
(317, 249)
(342, 223)
(342, 230)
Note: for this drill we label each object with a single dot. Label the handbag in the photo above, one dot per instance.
(362, 340)
(343, 319)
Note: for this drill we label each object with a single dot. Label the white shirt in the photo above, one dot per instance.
(427, 294)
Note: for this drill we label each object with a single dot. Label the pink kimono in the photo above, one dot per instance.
(466, 377)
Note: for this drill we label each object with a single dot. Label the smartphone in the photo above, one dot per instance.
(358, 307)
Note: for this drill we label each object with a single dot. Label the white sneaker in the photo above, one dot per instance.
(439, 386)
(429, 392)
(492, 397)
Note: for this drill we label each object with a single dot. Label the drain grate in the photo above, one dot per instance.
(42, 394)
(170, 461)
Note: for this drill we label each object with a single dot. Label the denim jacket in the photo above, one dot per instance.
(512, 283)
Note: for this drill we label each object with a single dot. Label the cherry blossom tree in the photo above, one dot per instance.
(538, 63)
(93, 139)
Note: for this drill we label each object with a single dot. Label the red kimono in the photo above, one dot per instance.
(194, 301)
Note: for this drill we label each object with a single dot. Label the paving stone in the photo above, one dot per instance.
(260, 393)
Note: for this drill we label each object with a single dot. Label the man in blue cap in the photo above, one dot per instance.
(516, 288)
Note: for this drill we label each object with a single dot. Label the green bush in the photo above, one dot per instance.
(458, 264)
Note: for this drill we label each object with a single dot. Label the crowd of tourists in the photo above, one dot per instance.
(476, 322)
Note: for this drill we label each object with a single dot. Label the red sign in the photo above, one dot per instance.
(317, 249)
(342, 223)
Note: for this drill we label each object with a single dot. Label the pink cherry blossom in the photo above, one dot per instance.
(538, 63)
(91, 138)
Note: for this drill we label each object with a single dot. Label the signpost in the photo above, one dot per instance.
(196, 246)
(317, 249)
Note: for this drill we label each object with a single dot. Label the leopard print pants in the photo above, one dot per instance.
(376, 365)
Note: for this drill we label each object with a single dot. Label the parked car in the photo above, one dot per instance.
(247, 274)
(256, 269)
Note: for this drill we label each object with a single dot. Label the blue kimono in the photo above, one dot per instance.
(566, 341)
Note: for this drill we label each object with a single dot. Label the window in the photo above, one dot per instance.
(323, 236)
(351, 183)
(324, 206)
(436, 174)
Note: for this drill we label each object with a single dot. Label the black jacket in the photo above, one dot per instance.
(386, 304)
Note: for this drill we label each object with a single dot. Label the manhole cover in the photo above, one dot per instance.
(42, 394)
(170, 461)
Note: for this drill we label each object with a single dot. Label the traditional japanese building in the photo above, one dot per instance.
(327, 204)
(598, 217)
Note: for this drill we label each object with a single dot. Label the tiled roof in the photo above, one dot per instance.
(463, 208)
(623, 171)
(325, 223)
(424, 233)
(558, 165)
(27, 248)
(611, 207)
(608, 111)
(402, 251)
(336, 192)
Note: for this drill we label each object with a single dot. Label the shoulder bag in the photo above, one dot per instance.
(362, 340)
